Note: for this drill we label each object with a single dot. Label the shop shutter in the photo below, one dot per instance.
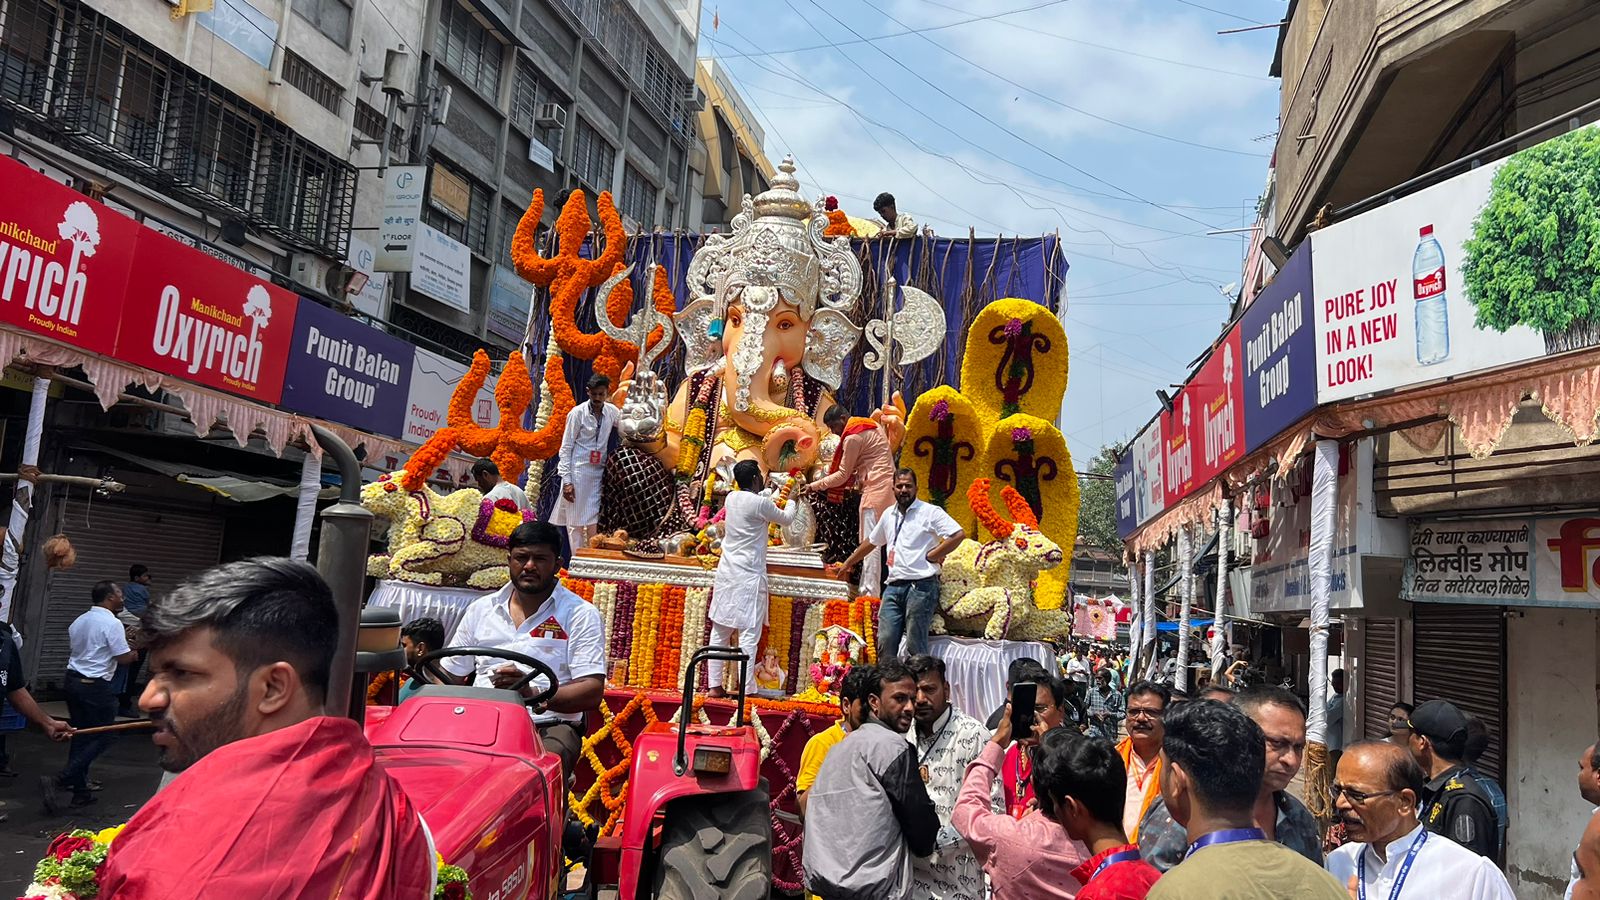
(109, 536)
(1380, 675)
(1458, 653)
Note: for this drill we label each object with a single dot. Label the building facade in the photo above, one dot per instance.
(732, 162)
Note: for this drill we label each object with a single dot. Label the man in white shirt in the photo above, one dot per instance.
(536, 616)
(584, 445)
(487, 475)
(739, 593)
(1334, 739)
(1390, 854)
(99, 643)
(919, 536)
(1585, 882)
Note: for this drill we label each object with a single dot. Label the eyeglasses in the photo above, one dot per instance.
(1136, 713)
(1357, 798)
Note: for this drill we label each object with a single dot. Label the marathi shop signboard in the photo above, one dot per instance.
(64, 261)
(342, 370)
(189, 315)
(1280, 355)
(1519, 562)
(1472, 273)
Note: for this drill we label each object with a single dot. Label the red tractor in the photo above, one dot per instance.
(696, 825)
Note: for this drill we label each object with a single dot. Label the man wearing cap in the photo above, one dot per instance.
(1453, 803)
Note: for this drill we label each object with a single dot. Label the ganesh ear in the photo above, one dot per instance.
(1021, 512)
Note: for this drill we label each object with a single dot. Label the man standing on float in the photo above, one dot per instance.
(865, 460)
(584, 446)
(739, 593)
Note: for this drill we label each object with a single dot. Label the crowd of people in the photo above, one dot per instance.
(909, 798)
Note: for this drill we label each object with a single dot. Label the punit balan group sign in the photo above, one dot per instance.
(64, 260)
(343, 370)
(189, 315)
(1279, 349)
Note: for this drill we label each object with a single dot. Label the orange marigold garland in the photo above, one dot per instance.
(838, 225)
(669, 635)
(569, 276)
(508, 443)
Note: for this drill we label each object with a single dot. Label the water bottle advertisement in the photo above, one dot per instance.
(1473, 273)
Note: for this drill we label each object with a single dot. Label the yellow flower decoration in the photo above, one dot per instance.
(107, 835)
(944, 440)
(1015, 361)
(1030, 454)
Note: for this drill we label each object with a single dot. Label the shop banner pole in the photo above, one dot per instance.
(1136, 622)
(1324, 494)
(1219, 627)
(22, 499)
(1147, 635)
(1185, 604)
(306, 506)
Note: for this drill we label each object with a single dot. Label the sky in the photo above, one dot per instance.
(1130, 126)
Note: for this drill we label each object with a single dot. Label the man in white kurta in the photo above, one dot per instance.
(1390, 854)
(739, 593)
(584, 445)
(947, 741)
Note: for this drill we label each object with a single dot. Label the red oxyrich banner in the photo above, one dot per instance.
(203, 320)
(64, 260)
(1216, 424)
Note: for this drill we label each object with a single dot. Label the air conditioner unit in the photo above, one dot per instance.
(695, 97)
(551, 115)
(335, 279)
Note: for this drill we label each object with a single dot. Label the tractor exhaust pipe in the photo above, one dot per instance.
(342, 560)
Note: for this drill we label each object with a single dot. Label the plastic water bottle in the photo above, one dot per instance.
(1427, 279)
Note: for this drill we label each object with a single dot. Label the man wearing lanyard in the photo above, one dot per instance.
(1214, 757)
(1390, 855)
(584, 445)
(919, 536)
(947, 740)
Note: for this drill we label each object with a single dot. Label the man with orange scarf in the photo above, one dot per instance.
(1141, 751)
(275, 799)
(864, 461)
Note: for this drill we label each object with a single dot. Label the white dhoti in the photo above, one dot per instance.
(583, 464)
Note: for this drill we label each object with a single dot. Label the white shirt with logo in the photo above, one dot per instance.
(910, 535)
(565, 633)
(97, 638)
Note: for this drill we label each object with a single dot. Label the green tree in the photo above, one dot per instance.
(1534, 255)
(1097, 506)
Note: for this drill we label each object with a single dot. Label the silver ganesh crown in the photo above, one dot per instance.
(775, 250)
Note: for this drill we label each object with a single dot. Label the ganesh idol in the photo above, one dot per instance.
(766, 335)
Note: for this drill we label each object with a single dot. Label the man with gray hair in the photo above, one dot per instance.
(240, 661)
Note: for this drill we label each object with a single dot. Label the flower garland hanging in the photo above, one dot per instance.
(605, 600)
(642, 658)
(541, 418)
(670, 635)
(621, 646)
(696, 607)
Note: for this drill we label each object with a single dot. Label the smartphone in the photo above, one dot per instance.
(1023, 696)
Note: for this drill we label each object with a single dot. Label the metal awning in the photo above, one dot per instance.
(233, 485)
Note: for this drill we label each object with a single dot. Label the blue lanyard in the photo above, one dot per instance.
(1119, 856)
(1399, 878)
(1226, 836)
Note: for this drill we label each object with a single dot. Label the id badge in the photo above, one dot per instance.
(891, 559)
(594, 457)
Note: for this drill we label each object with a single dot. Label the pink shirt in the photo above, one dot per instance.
(868, 458)
(1025, 858)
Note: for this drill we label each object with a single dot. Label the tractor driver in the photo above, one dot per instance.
(536, 616)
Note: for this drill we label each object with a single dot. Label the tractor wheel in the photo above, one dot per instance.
(717, 848)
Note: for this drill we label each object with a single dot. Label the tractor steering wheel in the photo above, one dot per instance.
(536, 668)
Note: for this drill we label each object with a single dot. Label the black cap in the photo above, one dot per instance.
(1441, 721)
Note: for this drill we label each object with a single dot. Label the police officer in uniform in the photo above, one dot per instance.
(1453, 803)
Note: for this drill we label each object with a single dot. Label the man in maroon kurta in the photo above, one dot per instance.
(275, 799)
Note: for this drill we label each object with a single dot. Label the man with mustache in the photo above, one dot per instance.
(868, 813)
(1141, 751)
(1278, 813)
(276, 799)
(1376, 793)
(947, 740)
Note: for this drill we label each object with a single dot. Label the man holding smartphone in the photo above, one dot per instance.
(1041, 703)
